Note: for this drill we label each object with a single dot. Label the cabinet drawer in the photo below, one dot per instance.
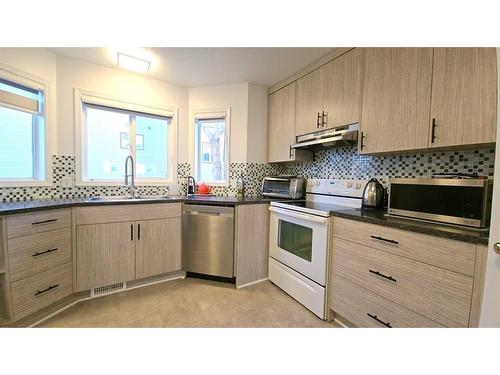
(32, 254)
(366, 309)
(36, 292)
(126, 212)
(438, 294)
(441, 252)
(42, 221)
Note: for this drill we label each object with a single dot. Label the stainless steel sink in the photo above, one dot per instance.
(127, 198)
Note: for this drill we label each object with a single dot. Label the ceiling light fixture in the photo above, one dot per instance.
(132, 63)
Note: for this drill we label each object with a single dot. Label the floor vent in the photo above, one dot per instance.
(108, 289)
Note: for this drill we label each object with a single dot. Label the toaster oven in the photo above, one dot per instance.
(291, 187)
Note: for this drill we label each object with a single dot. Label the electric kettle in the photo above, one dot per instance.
(373, 195)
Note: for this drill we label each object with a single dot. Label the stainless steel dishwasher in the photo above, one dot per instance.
(208, 241)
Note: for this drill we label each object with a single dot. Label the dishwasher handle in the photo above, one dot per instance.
(206, 213)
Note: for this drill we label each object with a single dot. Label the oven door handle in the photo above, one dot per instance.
(313, 218)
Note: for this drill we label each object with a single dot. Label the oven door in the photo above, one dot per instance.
(299, 241)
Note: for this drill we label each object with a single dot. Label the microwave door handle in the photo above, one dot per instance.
(311, 218)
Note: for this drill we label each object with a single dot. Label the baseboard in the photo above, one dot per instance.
(251, 283)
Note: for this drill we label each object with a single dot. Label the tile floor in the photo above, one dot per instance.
(191, 303)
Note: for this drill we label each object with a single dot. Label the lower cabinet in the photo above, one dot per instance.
(144, 241)
(387, 277)
(105, 254)
(158, 247)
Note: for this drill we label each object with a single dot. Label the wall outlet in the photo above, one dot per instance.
(67, 182)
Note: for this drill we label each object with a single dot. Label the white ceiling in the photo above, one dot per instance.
(193, 67)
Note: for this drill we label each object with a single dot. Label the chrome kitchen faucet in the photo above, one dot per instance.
(131, 175)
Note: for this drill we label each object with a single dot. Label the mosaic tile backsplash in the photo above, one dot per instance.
(345, 163)
(341, 163)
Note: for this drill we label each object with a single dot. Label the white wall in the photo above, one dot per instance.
(257, 124)
(118, 84)
(38, 64)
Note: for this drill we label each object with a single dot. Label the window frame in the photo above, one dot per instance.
(208, 114)
(83, 97)
(35, 83)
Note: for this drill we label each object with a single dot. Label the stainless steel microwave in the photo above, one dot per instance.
(454, 201)
(291, 187)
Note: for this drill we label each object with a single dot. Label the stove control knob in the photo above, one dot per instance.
(349, 185)
(318, 183)
(358, 185)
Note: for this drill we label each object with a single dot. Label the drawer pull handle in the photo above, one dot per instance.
(382, 275)
(52, 287)
(44, 252)
(44, 222)
(375, 317)
(384, 239)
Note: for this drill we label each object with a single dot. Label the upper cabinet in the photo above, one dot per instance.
(420, 98)
(342, 89)
(309, 102)
(464, 96)
(330, 95)
(396, 97)
(281, 127)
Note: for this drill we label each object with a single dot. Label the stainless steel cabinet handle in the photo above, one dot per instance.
(323, 116)
(44, 252)
(496, 247)
(318, 121)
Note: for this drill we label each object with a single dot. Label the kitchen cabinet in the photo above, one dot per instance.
(281, 127)
(330, 96)
(383, 276)
(105, 254)
(158, 247)
(396, 97)
(342, 88)
(309, 102)
(126, 242)
(464, 97)
(251, 250)
(35, 262)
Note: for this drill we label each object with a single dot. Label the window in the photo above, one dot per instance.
(110, 134)
(22, 134)
(211, 147)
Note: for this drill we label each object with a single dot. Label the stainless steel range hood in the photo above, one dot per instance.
(340, 136)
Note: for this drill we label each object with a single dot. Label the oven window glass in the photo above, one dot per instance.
(295, 239)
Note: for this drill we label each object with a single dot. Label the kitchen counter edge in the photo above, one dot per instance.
(11, 208)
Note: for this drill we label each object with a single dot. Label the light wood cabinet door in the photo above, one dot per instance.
(464, 96)
(281, 125)
(396, 99)
(342, 89)
(158, 247)
(105, 254)
(309, 102)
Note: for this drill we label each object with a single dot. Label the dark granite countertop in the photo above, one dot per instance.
(477, 236)
(7, 208)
